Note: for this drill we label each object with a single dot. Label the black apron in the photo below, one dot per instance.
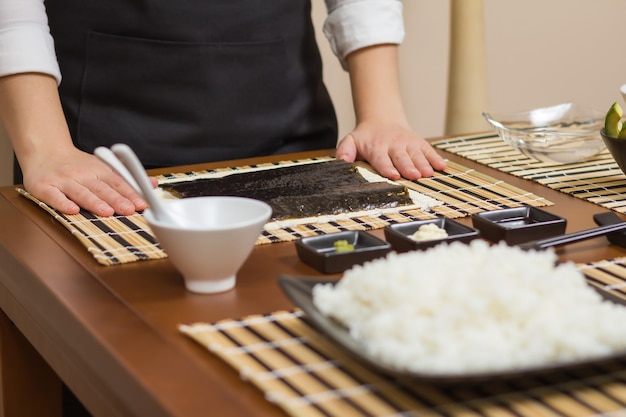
(191, 81)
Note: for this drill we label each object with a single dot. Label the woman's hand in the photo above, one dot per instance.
(55, 171)
(393, 150)
(73, 179)
(383, 136)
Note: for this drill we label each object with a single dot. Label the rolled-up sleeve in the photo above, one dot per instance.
(355, 24)
(26, 44)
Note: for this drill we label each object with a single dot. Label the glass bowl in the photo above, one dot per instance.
(560, 134)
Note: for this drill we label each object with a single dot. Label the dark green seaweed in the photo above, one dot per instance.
(304, 190)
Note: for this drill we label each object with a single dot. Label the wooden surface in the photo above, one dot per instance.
(110, 332)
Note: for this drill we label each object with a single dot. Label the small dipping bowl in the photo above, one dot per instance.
(210, 251)
(518, 224)
(400, 234)
(320, 251)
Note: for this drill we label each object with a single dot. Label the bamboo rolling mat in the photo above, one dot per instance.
(306, 375)
(598, 180)
(462, 191)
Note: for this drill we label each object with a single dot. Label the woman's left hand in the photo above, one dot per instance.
(393, 150)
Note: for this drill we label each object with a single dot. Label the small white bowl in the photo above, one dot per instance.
(217, 238)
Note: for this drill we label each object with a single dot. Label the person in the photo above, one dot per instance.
(186, 82)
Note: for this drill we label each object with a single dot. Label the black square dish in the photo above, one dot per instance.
(518, 224)
(400, 234)
(320, 252)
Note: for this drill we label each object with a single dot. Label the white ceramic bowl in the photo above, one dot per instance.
(218, 236)
(560, 134)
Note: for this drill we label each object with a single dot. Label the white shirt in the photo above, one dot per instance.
(355, 24)
(27, 46)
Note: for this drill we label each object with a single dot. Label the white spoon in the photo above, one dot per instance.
(125, 162)
(107, 156)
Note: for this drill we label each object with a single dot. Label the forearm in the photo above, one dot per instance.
(383, 136)
(375, 84)
(55, 171)
(31, 113)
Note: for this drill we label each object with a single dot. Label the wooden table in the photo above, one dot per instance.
(110, 332)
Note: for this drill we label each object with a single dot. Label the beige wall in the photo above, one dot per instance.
(539, 52)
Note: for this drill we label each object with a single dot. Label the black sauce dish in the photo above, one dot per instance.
(399, 235)
(518, 225)
(321, 253)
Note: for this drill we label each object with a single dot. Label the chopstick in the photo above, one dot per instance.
(573, 237)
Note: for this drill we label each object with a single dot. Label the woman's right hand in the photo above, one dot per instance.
(54, 170)
(73, 179)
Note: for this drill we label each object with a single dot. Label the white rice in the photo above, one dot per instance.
(459, 308)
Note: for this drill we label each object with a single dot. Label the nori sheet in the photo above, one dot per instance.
(304, 190)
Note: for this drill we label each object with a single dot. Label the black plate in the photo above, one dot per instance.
(518, 224)
(399, 234)
(604, 219)
(299, 290)
(319, 251)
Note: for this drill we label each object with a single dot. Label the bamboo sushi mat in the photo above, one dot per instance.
(306, 375)
(598, 180)
(122, 239)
